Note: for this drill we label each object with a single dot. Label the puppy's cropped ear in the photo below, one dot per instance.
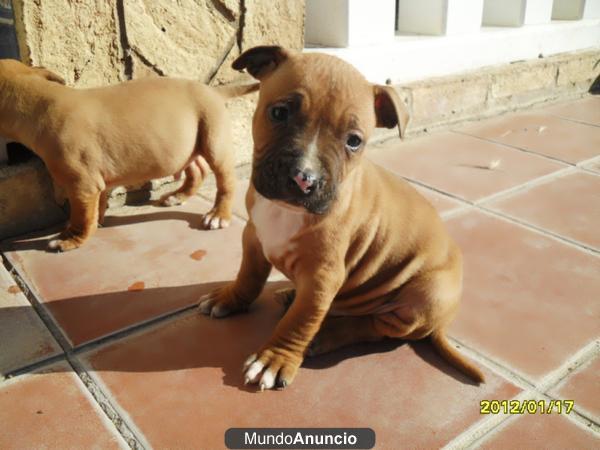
(260, 61)
(49, 75)
(389, 109)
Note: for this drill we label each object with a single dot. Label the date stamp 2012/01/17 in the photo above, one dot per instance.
(526, 406)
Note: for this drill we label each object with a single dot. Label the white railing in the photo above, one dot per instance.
(344, 23)
(407, 40)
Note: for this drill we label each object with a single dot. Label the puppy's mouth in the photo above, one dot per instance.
(282, 179)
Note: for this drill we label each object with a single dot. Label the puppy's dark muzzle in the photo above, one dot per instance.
(285, 177)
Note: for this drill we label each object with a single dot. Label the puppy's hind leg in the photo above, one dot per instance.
(195, 173)
(102, 206)
(83, 221)
(220, 158)
(338, 332)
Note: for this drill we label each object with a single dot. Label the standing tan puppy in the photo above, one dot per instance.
(94, 139)
(369, 257)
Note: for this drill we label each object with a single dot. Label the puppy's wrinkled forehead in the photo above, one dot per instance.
(328, 90)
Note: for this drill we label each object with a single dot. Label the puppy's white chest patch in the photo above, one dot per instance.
(275, 225)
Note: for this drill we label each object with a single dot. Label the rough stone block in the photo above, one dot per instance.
(79, 40)
(185, 38)
(274, 23)
(519, 78)
(582, 70)
(447, 99)
(27, 199)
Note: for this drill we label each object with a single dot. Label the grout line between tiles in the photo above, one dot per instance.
(55, 330)
(125, 428)
(588, 171)
(557, 237)
(515, 147)
(484, 427)
(139, 327)
(550, 381)
(121, 411)
(581, 357)
(577, 416)
(581, 165)
(41, 364)
(578, 121)
(527, 185)
(456, 211)
(481, 429)
(99, 396)
(476, 205)
(439, 191)
(585, 162)
(501, 369)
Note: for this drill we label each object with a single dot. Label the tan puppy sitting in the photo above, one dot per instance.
(369, 257)
(94, 139)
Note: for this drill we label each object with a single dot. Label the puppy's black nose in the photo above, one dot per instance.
(305, 179)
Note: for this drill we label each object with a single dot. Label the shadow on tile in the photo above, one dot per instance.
(32, 241)
(421, 348)
(192, 218)
(195, 341)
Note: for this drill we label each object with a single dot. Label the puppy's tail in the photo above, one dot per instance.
(236, 90)
(449, 353)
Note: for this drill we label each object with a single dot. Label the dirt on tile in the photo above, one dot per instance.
(198, 255)
(14, 289)
(137, 286)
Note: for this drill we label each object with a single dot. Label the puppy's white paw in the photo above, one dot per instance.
(63, 245)
(270, 370)
(211, 221)
(172, 200)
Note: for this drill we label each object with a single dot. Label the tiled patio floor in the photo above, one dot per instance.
(101, 347)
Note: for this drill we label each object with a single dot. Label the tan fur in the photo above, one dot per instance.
(377, 264)
(94, 139)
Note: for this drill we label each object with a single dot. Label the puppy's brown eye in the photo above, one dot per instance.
(279, 113)
(353, 142)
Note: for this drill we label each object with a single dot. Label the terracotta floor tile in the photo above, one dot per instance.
(136, 268)
(569, 206)
(541, 133)
(23, 337)
(520, 287)
(52, 410)
(181, 383)
(547, 432)
(586, 110)
(583, 386)
(456, 164)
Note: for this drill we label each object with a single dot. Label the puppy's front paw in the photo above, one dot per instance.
(219, 303)
(63, 245)
(214, 220)
(271, 369)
